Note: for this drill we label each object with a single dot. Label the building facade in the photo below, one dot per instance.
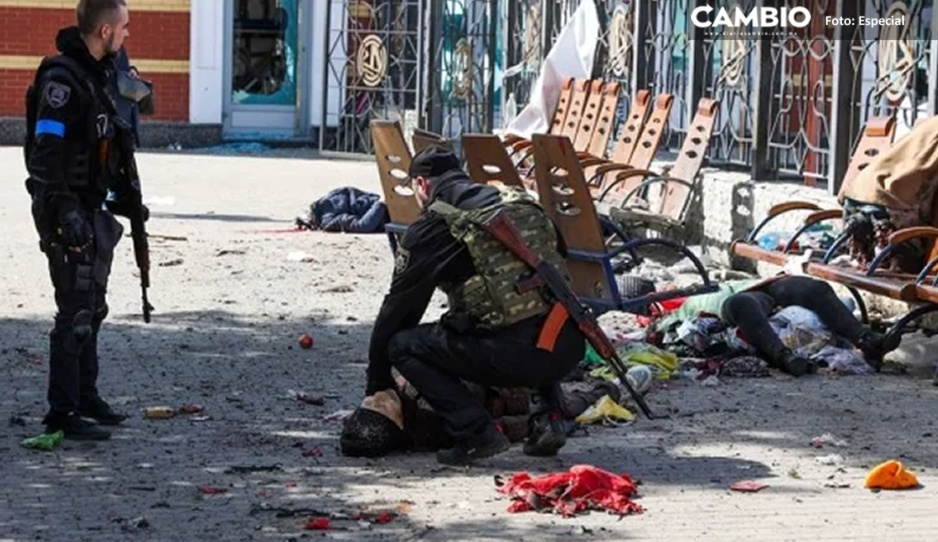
(239, 66)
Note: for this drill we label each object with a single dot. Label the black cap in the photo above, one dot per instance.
(433, 161)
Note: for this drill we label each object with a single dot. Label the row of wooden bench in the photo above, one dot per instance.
(575, 186)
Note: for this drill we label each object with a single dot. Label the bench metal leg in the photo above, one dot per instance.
(864, 313)
(894, 335)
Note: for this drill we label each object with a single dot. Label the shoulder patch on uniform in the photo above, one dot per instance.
(57, 94)
(401, 260)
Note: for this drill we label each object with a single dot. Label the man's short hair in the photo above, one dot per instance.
(91, 14)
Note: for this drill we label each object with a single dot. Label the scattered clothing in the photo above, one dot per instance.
(347, 210)
(584, 487)
(891, 475)
(745, 367)
(607, 412)
(45, 442)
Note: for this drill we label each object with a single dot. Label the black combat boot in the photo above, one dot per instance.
(793, 364)
(486, 443)
(547, 434)
(74, 427)
(101, 412)
(873, 346)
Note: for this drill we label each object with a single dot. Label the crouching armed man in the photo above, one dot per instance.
(499, 330)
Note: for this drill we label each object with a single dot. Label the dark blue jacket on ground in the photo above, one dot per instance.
(349, 210)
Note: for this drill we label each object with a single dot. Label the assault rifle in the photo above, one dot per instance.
(138, 231)
(501, 227)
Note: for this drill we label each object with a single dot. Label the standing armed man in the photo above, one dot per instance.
(499, 331)
(74, 157)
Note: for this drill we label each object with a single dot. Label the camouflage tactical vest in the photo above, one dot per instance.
(491, 296)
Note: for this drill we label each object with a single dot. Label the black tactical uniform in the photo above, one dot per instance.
(73, 156)
(499, 351)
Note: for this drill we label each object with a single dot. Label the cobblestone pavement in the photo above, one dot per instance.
(230, 306)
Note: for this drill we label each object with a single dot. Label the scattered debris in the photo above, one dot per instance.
(605, 411)
(145, 466)
(171, 263)
(158, 237)
(211, 490)
(583, 488)
(837, 485)
(306, 341)
(340, 289)
(749, 486)
(832, 460)
(134, 524)
(190, 409)
(710, 382)
(248, 469)
(318, 524)
(308, 398)
(45, 442)
(300, 256)
(312, 452)
(17, 420)
(338, 415)
(827, 438)
(890, 475)
(160, 412)
(227, 252)
(793, 473)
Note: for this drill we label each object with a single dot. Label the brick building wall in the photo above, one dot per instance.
(158, 46)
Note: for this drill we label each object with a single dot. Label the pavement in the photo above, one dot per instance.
(257, 464)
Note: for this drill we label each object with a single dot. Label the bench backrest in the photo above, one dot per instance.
(564, 196)
(393, 158)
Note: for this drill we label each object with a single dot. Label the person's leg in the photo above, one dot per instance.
(74, 297)
(435, 360)
(107, 235)
(750, 312)
(818, 297)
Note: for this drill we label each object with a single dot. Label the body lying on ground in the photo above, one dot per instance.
(749, 304)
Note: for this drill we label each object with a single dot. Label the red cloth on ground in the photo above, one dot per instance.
(584, 487)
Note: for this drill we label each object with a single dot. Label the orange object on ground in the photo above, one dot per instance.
(891, 475)
(583, 488)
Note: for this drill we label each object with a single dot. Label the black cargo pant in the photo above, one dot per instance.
(436, 360)
(750, 311)
(80, 282)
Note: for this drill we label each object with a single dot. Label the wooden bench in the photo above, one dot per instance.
(563, 193)
(629, 202)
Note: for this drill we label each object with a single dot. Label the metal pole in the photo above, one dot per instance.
(492, 21)
(697, 68)
(933, 64)
(762, 111)
(325, 76)
(843, 94)
(643, 63)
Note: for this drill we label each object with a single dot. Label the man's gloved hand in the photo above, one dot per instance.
(121, 208)
(76, 231)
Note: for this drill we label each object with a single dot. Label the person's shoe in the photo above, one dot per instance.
(873, 346)
(547, 434)
(101, 412)
(74, 427)
(794, 364)
(486, 444)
